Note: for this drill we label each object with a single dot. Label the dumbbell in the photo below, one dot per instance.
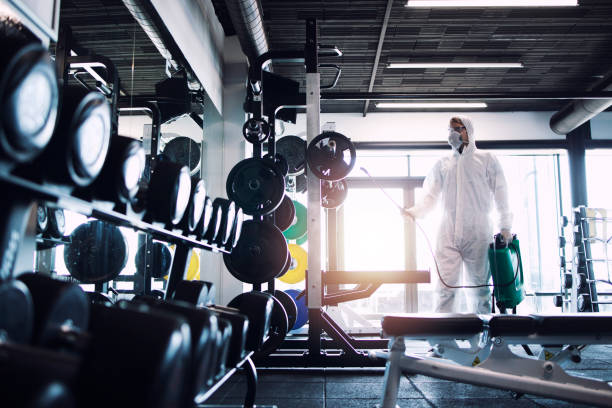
(240, 329)
(204, 326)
(136, 357)
(168, 193)
(79, 146)
(214, 225)
(61, 311)
(29, 94)
(228, 218)
(257, 306)
(119, 179)
(195, 208)
(16, 312)
(223, 343)
(161, 261)
(195, 292)
(35, 377)
(14, 216)
(204, 223)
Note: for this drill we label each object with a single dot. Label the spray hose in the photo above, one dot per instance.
(433, 256)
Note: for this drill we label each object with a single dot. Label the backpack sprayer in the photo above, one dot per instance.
(504, 260)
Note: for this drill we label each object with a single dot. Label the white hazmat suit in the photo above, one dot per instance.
(465, 184)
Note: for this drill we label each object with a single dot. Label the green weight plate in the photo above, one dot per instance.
(260, 254)
(298, 227)
(303, 239)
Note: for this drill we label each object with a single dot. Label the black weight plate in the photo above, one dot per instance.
(279, 326)
(97, 253)
(280, 163)
(255, 130)
(284, 214)
(301, 183)
(288, 304)
(293, 149)
(16, 311)
(260, 255)
(256, 186)
(331, 156)
(161, 260)
(185, 151)
(287, 264)
(333, 193)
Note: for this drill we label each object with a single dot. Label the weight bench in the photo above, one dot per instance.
(488, 361)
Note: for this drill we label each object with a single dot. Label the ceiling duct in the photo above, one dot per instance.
(577, 112)
(247, 19)
(143, 17)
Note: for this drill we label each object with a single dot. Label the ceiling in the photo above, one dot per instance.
(564, 50)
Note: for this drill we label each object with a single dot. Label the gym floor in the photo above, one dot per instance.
(357, 388)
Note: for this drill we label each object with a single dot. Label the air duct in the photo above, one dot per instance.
(247, 19)
(578, 112)
(143, 17)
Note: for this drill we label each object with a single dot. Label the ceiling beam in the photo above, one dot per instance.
(381, 40)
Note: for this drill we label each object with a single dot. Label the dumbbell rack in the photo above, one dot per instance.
(584, 295)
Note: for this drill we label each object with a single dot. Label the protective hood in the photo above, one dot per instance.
(467, 122)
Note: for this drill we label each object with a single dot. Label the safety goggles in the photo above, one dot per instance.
(458, 128)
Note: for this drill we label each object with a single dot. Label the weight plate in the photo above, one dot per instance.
(256, 186)
(333, 193)
(301, 183)
(169, 192)
(255, 130)
(97, 253)
(293, 149)
(184, 151)
(289, 305)
(298, 266)
(331, 156)
(284, 214)
(280, 162)
(161, 260)
(302, 240)
(286, 267)
(261, 253)
(299, 224)
(279, 326)
(302, 309)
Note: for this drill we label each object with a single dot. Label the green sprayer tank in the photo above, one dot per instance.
(505, 262)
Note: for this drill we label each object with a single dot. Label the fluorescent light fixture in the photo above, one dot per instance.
(491, 3)
(409, 65)
(430, 105)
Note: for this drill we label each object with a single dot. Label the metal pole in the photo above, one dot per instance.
(313, 124)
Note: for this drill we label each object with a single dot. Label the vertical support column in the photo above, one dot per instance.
(313, 128)
(411, 295)
(576, 150)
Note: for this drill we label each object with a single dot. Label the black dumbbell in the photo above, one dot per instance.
(161, 261)
(195, 208)
(223, 342)
(141, 354)
(228, 217)
(168, 193)
(195, 292)
(257, 306)
(61, 310)
(29, 94)
(16, 312)
(240, 327)
(204, 223)
(204, 325)
(214, 225)
(79, 146)
(119, 179)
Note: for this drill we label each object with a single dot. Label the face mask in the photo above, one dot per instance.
(454, 139)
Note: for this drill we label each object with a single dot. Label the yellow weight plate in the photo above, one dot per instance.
(193, 271)
(299, 264)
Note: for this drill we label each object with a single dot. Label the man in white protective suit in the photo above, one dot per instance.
(466, 184)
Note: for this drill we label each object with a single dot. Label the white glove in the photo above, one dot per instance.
(408, 212)
(506, 234)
